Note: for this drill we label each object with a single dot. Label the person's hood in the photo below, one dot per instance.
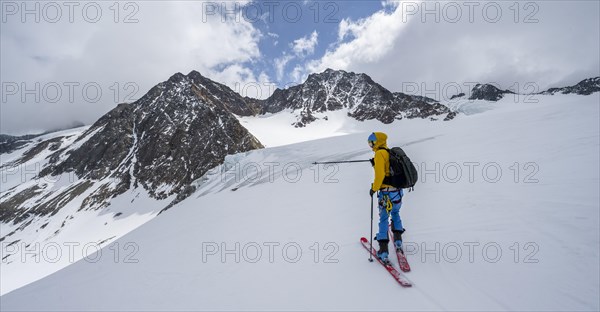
(381, 140)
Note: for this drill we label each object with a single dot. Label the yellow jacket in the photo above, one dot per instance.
(381, 161)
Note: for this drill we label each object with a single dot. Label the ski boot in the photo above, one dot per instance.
(398, 240)
(383, 252)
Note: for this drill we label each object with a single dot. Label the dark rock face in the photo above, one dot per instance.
(171, 136)
(487, 92)
(165, 140)
(584, 87)
(333, 90)
(305, 118)
(229, 99)
(10, 143)
(457, 96)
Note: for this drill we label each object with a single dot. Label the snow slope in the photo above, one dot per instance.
(276, 129)
(525, 239)
(34, 249)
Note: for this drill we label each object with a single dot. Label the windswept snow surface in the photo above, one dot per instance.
(276, 129)
(505, 217)
(42, 245)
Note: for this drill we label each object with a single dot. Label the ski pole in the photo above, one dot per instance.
(371, 237)
(339, 162)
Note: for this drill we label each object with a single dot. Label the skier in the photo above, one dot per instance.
(389, 197)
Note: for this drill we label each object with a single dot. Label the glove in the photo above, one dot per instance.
(372, 160)
(371, 192)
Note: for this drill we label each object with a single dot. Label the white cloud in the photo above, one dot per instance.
(306, 45)
(298, 74)
(560, 49)
(364, 41)
(274, 37)
(243, 81)
(397, 48)
(169, 37)
(280, 64)
(300, 48)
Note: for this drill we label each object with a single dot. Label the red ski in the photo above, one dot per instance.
(388, 266)
(402, 262)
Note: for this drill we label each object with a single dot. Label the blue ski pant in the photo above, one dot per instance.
(389, 205)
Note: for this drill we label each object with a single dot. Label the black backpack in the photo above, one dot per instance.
(403, 173)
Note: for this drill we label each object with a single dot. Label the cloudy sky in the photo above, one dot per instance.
(67, 62)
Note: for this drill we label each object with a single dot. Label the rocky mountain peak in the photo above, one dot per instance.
(171, 136)
(155, 147)
(487, 92)
(176, 78)
(364, 99)
(584, 87)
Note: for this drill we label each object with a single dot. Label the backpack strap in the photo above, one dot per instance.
(386, 179)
